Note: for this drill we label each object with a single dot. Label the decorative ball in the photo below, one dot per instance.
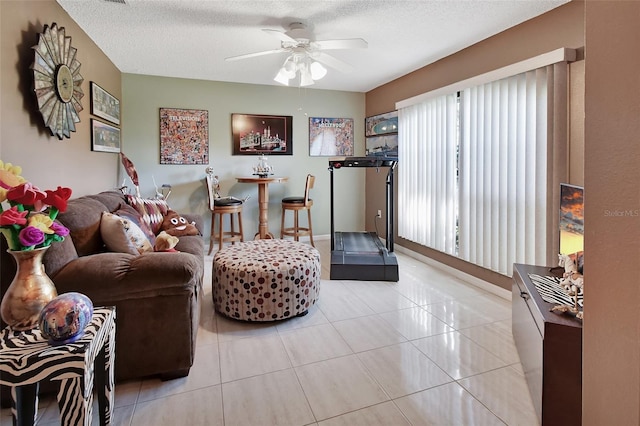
(64, 319)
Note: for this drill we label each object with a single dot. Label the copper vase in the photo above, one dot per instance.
(30, 290)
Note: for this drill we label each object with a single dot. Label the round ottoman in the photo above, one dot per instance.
(265, 280)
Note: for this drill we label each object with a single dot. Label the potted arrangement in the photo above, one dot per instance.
(27, 221)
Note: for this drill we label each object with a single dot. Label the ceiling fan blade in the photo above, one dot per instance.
(349, 43)
(333, 62)
(253, 55)
(281, 36)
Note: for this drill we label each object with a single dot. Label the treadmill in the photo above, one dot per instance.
(361, 255)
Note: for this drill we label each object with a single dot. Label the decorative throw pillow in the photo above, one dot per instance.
(128, 212)
(123, 235)
(176, 225)
(151, 211)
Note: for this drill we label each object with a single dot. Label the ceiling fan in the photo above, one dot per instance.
(306, 55)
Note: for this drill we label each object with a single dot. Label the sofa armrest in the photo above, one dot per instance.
(109, 277)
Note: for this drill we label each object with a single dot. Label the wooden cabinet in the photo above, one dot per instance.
(550, 349)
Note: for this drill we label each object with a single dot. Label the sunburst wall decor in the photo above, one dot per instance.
(57, 80)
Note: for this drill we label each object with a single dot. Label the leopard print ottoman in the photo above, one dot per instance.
(266, 280)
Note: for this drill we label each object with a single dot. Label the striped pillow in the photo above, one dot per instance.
(152, 211)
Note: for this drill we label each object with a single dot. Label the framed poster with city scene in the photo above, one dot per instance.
(104, 104)
(330, 137)
(262, 134)
(381, 124)
(184, 136)
(104, 137)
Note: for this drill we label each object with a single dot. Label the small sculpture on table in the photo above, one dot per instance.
(262, 169)
(572, 282)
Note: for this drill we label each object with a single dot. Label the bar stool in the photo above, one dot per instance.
(220, 206)
(296, 204)
(224, 206)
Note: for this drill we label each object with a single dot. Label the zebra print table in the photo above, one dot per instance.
(26, 359)
(551, 291)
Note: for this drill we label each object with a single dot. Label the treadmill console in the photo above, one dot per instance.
(337, 163)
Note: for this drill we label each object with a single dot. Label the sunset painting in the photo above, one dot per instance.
(571, 219)
(571, 209)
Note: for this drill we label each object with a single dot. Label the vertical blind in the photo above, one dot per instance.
(503, 172)
(478, 181)
(427, 176)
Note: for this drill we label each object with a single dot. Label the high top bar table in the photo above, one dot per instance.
(263, 202)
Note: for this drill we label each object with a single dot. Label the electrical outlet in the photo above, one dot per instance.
(379, 214)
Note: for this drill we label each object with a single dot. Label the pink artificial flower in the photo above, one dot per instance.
(13, 217)
(31, 236)
(60, 230)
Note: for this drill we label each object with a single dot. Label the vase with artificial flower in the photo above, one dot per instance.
(27, 221)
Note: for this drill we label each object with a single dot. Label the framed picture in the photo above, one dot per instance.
(184, 136)
(571, 222)
(104, 137)
(381, 124)
(104, 105)
(330, 136)
(382, 146)
(262, 134)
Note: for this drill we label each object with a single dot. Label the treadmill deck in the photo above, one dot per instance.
(362, 256)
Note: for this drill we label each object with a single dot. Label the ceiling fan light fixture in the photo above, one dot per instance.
(317, 70)
(282, 77)
(307, 58)
(305, 77)
(289, 68)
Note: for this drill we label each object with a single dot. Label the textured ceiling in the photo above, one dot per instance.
(190, 39)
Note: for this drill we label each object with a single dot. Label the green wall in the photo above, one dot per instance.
(143, 96)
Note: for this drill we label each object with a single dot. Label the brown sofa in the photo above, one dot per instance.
(156, 294)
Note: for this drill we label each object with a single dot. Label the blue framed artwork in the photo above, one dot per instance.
(381, 124)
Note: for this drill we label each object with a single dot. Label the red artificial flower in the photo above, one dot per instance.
(58, 198)
(25, 194)
(13, 217)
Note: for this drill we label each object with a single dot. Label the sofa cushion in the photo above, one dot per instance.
(110, 199)
(82, 218)
(152, 211)
(122, 235)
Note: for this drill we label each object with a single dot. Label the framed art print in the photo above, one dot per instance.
(262, 134)
(381, 124)
(330, 136)
(104, 105)
(184, 136)
(104, 137)
(382, 146)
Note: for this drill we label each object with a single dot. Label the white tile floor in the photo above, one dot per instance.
(429, 349)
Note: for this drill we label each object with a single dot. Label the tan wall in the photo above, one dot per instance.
(24, 140)
(611, 352)
(561, 27)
